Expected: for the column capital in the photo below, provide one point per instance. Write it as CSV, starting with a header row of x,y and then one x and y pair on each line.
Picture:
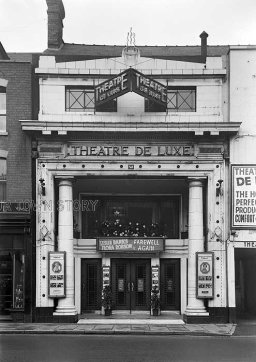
x,y
65,180
196,181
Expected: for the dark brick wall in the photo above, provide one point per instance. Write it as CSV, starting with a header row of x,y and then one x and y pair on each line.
x,y
17,143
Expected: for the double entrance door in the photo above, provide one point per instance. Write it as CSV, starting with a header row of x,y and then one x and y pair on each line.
x,y
131,281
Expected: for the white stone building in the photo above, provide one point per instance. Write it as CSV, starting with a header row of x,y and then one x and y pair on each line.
x,y
133,185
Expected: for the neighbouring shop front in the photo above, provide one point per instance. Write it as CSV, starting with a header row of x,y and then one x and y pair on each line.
x,y
244,241
15,264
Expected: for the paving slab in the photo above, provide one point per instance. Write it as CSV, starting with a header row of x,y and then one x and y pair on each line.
x,y
124,328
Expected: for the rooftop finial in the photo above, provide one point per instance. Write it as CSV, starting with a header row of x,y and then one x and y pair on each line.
x,y
130,38
130,53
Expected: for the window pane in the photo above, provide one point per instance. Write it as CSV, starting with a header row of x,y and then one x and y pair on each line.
x,y
2,123
2,103
182,100
2,179
138,217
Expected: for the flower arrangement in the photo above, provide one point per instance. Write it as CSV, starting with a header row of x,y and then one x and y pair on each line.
x,y
107,299
132,229
155,301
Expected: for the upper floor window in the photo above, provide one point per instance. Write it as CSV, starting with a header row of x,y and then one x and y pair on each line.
x,y
81,99
2,109
2,179
179,99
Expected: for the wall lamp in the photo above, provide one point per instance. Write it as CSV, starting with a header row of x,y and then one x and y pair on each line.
x,y
42,184
219,188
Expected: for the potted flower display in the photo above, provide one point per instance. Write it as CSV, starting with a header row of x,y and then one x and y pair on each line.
x,y
107,300
155,301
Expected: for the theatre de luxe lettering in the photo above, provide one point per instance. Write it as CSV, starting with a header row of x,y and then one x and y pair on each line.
x,y
244,196
130,81
104,151
130,244
149,88
112,88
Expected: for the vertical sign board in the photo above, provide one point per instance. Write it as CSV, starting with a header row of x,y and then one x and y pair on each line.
x,y
155,276
243,196
57,274
106,275
204,275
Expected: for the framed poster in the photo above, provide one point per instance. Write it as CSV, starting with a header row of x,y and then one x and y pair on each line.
x,y
204,275
243,215
106,275
57,274
155,276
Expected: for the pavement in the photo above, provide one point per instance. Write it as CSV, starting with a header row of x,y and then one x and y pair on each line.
x,y
128,327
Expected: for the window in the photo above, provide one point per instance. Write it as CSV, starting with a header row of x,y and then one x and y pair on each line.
x,y
2,109
179,99
2,179
81,99
124,217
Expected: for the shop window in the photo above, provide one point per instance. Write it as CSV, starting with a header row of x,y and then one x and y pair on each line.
x,y
2,179
179,99
18,282
2,109
81,99
137,217
12,278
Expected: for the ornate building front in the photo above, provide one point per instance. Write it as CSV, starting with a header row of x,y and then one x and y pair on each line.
x,y
131,177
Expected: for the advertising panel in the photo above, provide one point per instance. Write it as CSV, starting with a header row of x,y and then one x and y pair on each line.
x,y
204,275
146,245
243,196
57,274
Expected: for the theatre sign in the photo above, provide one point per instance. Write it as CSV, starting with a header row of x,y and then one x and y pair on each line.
x,y
130,81
244,196
130,244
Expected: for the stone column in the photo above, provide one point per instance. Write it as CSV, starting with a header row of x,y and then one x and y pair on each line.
x,y
66,306
195,307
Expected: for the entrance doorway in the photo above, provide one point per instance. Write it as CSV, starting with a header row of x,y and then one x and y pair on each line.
x,y
170,284
91,284
131,283
245,280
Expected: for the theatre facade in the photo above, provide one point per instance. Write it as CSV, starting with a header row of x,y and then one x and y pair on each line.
x,y
132,180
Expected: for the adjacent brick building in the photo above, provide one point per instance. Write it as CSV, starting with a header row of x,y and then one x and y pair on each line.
x,y
18,98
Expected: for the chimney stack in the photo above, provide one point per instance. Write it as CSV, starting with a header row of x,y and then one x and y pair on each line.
x,y
204,37
56,14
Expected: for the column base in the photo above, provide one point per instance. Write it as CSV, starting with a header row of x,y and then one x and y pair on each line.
x,y
196,315
196,318
63,311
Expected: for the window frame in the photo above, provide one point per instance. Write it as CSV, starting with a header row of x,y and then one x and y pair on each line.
x,y
3,179
110,106
185,88
158,203
3,111
148,103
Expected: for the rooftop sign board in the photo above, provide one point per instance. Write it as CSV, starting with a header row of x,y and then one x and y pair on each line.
x,y
130,81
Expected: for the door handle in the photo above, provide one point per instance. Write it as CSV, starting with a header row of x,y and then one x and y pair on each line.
x,y
132,286
83,287
128,287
